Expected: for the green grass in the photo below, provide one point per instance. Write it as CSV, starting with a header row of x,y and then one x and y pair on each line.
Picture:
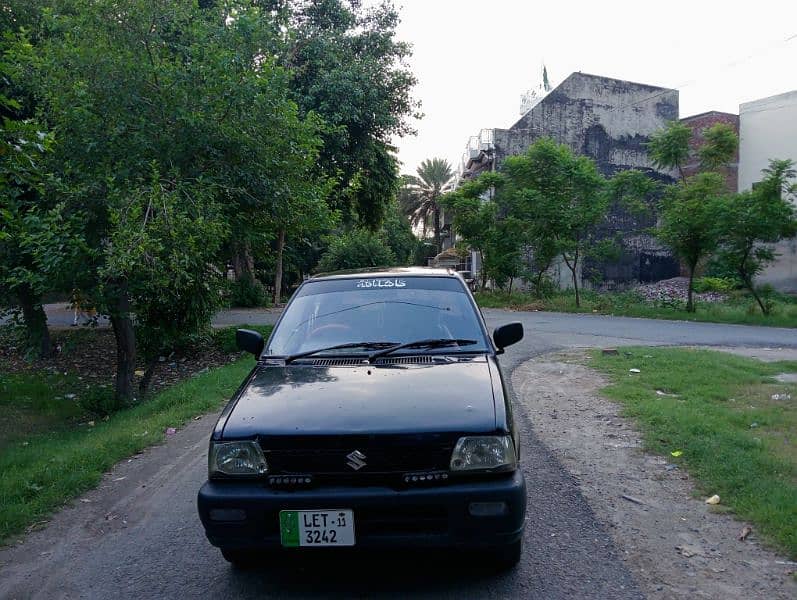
x,y
49,454
741,310
736,440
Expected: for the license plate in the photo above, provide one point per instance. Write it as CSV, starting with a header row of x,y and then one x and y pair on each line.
x,y
317,528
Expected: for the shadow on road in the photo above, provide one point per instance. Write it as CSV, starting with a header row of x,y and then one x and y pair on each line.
x,y
357,573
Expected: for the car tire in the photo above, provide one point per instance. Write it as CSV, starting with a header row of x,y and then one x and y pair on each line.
x,y
241,559
506,557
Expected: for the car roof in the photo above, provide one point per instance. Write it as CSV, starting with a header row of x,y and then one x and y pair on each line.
x,y
387,272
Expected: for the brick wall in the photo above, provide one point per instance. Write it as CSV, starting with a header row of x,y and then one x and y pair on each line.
x,y
698,124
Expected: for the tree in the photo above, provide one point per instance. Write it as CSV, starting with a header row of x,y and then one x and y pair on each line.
x,y
356,249
347,67
420,195
397,235
691,208
690,213
669,147
162,103
753,219
561,197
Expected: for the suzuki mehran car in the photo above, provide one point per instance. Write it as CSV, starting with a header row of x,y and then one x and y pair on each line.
x,y
376,416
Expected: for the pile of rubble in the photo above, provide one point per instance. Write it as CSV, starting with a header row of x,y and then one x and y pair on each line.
x,y
673,291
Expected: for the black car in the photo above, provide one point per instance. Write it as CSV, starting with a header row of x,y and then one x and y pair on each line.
x,y
376,416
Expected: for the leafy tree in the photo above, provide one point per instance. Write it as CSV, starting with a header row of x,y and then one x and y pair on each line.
x,y
356,249
397,234
689,215
136,88
751,220
420,195
720,144
691,208
561,197
347,67
669,147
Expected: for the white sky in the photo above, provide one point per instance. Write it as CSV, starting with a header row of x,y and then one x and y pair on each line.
x,y
473,59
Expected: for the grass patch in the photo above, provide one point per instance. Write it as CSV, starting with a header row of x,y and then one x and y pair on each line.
x,y
732,421
49,453
740,310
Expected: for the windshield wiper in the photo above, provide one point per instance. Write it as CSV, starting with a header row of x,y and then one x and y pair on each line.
x,y
367,345
432,343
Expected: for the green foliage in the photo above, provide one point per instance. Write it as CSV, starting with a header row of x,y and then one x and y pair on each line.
x,y
163,237
559,197
356,249
751,220
669,147
723,285
248,292
347,67
716,398
99,402
398,236
52,467
690,214
419,196
719,146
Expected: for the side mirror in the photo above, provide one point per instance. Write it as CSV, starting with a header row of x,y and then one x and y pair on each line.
x,y
250,341
508,334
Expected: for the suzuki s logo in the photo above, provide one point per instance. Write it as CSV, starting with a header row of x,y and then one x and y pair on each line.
x,y
356,460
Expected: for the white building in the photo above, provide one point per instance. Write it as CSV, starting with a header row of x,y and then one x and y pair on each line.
x,y
767,130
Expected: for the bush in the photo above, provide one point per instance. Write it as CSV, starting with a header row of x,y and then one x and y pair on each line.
x,y
356,249
99,401
723,285
248,292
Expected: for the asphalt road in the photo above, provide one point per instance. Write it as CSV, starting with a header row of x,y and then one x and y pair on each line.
x,y
138,535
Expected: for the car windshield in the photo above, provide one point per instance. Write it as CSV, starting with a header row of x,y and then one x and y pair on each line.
x,y
378,309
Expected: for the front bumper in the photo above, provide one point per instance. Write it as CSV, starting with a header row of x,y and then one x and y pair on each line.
x,y
383,517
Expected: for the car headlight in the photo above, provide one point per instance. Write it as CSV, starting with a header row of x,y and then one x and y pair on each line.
x,y
236,459
484,453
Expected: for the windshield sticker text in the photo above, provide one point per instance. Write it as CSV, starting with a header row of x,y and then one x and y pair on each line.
x,y
381,283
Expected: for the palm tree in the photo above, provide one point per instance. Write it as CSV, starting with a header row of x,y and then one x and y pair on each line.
x,y
419,194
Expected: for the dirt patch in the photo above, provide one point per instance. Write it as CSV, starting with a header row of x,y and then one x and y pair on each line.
x,y
676,545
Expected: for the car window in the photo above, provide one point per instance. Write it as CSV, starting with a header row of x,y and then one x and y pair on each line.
x,y
331,312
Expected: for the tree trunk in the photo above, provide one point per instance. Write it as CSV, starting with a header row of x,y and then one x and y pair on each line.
x,y
437,241
125,335
278,269
242,261
35,321
573,271
690,303
482,270
147,379
748,282
511,281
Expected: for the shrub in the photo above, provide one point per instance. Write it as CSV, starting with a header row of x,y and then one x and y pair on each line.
x,y
356,249
99,401
248,292
723,285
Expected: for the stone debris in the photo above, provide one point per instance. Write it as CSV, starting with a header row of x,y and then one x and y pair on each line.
x,y
675,291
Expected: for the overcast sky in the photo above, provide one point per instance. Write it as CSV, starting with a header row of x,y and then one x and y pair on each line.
x,y
473,59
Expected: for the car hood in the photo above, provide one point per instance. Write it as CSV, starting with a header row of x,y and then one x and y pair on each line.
x,y
454,395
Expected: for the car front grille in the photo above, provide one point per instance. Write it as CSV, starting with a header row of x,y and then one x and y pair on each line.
x,y
384,458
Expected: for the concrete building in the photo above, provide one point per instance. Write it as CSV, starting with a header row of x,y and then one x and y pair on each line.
x,y
610,120
767,130
699,124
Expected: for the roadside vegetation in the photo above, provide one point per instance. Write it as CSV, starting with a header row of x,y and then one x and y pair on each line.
x,y
740,308
56,440
725,419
